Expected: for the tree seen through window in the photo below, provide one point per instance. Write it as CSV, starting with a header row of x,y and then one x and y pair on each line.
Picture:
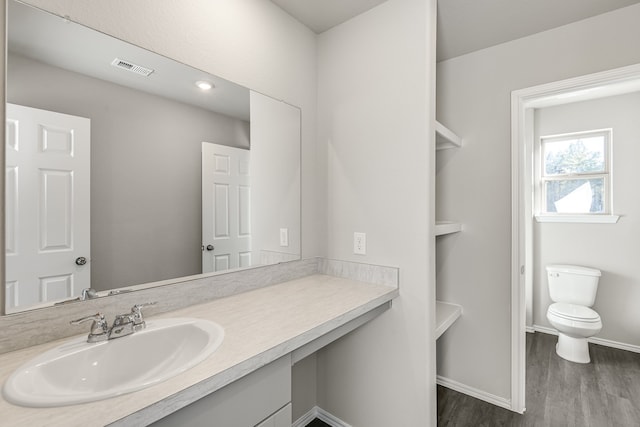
x,y
574,171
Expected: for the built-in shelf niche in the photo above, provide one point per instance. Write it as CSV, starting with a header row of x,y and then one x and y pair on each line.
x,y
445,138
447,227
446,315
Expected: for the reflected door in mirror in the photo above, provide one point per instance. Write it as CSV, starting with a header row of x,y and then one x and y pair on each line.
x,y
226,208
47,205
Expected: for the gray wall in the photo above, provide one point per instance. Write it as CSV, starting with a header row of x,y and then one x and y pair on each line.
x,y
473,99
145,170
611,248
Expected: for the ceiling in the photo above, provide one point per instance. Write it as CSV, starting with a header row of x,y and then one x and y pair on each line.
x,y
320,15
53,40
464,26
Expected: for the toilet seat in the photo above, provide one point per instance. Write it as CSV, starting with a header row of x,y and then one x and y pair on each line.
x,y
573,312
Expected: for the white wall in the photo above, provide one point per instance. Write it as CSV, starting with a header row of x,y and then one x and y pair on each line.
x,y
473,99
375,119
275,174
607,247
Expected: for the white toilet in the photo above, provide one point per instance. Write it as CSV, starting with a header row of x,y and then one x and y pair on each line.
x,y
573,290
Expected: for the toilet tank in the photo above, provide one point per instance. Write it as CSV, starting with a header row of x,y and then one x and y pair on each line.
x,y
573,284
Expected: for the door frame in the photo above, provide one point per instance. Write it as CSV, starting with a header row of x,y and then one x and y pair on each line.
x,y
522,103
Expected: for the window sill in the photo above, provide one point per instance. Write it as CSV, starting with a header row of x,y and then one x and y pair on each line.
x,y
587,219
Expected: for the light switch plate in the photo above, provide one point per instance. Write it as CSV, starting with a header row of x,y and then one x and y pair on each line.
x,y
284,237
360,243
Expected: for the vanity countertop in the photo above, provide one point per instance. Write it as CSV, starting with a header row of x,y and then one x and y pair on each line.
x,y
260,326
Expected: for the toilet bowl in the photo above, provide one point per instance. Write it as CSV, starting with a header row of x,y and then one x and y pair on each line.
x,y
575,323
573,290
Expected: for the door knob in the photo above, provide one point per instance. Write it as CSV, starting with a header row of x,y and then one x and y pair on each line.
x,y
210,247
81,260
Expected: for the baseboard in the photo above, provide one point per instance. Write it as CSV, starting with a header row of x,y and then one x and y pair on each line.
x,y
529,329
306,418
594,340
321,414
330,419
545,330
615,344
474,392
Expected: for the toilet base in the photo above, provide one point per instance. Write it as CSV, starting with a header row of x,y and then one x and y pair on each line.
x,y
573,349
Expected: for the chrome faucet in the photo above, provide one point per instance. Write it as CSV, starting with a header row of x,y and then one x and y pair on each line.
x,y
123,324
99,328
136,312
88,293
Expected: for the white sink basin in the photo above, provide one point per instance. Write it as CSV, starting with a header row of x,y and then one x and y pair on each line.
x,y
79,372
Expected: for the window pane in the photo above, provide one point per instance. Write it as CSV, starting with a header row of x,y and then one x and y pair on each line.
x,y
577,155
575,196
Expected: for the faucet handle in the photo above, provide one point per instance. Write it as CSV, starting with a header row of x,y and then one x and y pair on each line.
x,y
136,311
99,328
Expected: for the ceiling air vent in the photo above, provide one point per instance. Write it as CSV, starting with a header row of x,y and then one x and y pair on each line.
x,y
130,66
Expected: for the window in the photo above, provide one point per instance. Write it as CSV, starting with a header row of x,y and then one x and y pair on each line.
x,y
575,174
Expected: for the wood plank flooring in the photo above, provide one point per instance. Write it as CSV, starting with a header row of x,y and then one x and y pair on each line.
x,y
317,423
603,393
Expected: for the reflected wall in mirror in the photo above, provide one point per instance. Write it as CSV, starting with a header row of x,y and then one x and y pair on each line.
x,y
139,208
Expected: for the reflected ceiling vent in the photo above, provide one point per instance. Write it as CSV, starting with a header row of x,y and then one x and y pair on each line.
x,y
130,66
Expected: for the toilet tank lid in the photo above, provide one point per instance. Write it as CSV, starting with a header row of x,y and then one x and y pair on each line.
x,y
573,269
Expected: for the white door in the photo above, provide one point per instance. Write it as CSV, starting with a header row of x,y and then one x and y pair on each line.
x,y
226,210
47,205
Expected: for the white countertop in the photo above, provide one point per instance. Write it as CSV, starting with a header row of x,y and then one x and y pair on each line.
x,y
260,326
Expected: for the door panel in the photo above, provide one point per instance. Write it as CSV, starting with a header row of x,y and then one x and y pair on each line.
x,y
221,212
48,205
56,208
226,208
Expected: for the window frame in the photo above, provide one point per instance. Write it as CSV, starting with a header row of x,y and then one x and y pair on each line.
x,y
541,179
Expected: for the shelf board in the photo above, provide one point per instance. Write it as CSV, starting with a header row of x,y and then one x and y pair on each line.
x,y
445,138
447,227
446,314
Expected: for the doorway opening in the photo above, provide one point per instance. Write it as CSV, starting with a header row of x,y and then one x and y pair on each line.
x,y
524,104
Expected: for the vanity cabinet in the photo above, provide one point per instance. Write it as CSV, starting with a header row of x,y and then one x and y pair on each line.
x,y
261,398
446,313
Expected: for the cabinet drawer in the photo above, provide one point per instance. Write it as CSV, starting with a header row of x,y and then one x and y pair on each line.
x,y
243,403
282,418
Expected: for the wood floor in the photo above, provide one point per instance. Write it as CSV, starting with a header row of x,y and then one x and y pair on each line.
x,y
317,423
603,393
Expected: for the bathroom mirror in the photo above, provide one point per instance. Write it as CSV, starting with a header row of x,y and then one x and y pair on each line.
x,y
123,170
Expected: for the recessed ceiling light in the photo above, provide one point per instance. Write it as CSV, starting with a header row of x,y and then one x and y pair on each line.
x,y
204,85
